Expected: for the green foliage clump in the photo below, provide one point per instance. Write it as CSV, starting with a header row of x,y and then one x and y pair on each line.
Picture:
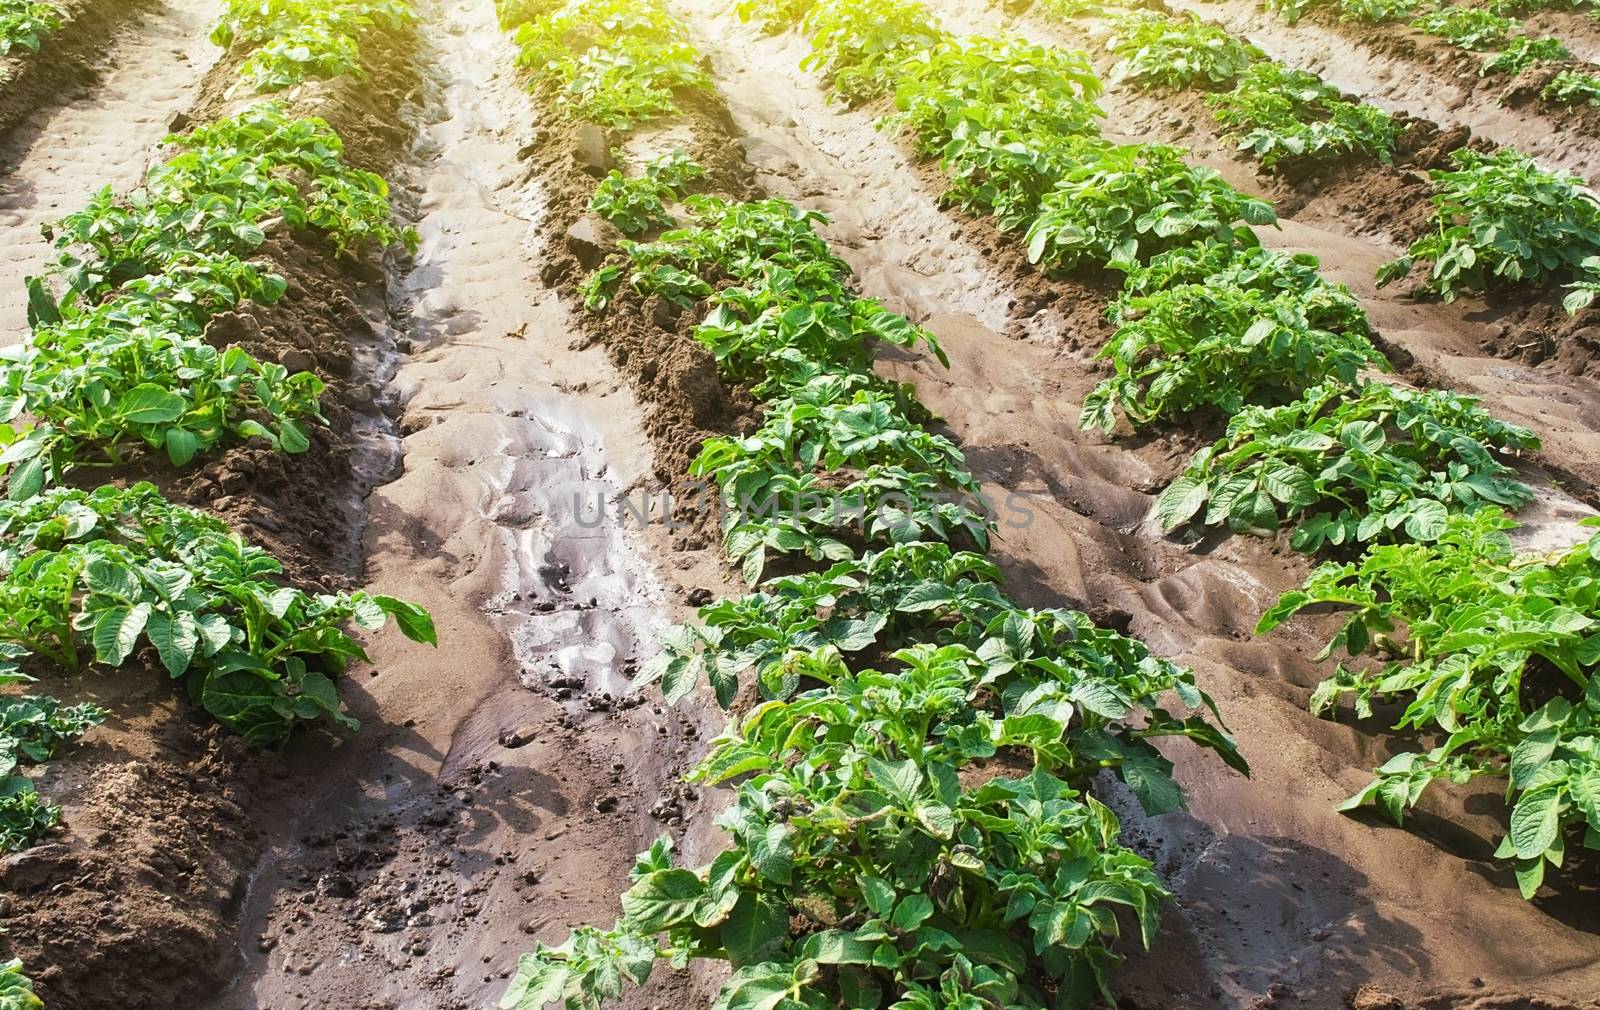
x,y
1352,466
1501,219
1380,12
294,41
120,357
1471,28
1005,117
1158,50
16,989
859,46
93,576
1496,652
25,24
1221,327
638,203
775,16
1124,203
1572,87
1277,113
1523,52
616,63
33,729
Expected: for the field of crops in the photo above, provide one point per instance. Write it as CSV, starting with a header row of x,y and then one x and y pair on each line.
x,y
800,504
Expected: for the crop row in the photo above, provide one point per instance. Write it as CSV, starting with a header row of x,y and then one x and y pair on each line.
x,y
1210,322
290,42
118,372
910,825
1500,221
1491,28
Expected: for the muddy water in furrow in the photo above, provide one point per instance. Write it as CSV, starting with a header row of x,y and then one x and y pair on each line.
x,y
500,786
1279,896
1399,84
100,134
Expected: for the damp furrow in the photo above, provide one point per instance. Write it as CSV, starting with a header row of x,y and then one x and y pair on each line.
x,y
503,784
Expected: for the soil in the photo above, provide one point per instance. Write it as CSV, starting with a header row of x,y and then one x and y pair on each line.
x,y
65,61
502,457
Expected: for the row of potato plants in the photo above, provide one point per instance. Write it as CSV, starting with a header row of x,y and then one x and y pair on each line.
x,y
118,372
290,42
1500,220
1209,321
1491,28
910,824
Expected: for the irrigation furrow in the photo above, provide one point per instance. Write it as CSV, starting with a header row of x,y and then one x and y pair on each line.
x,y
503,786
101,134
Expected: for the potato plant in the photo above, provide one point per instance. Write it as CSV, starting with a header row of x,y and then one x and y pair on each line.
x,y
1572,87
92,577
1124,203
1471,28
1351,465
638,203
859,46
25,24
616,63
1523,52
33,729
118,356
1277,114
1221,328
1169,51
290,42
1006,118
16,989
1493,651
1502,220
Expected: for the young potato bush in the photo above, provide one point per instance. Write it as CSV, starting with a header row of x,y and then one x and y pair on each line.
x,y
16,990
1218,327
1158,50
294,41
25,24
120,357
1353,465
91,577
1471,28
1523,52
860,45
1277,113
1006,118
1380,12
1494,651
1500,219
1572,87
1127,202
33,729
612,62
